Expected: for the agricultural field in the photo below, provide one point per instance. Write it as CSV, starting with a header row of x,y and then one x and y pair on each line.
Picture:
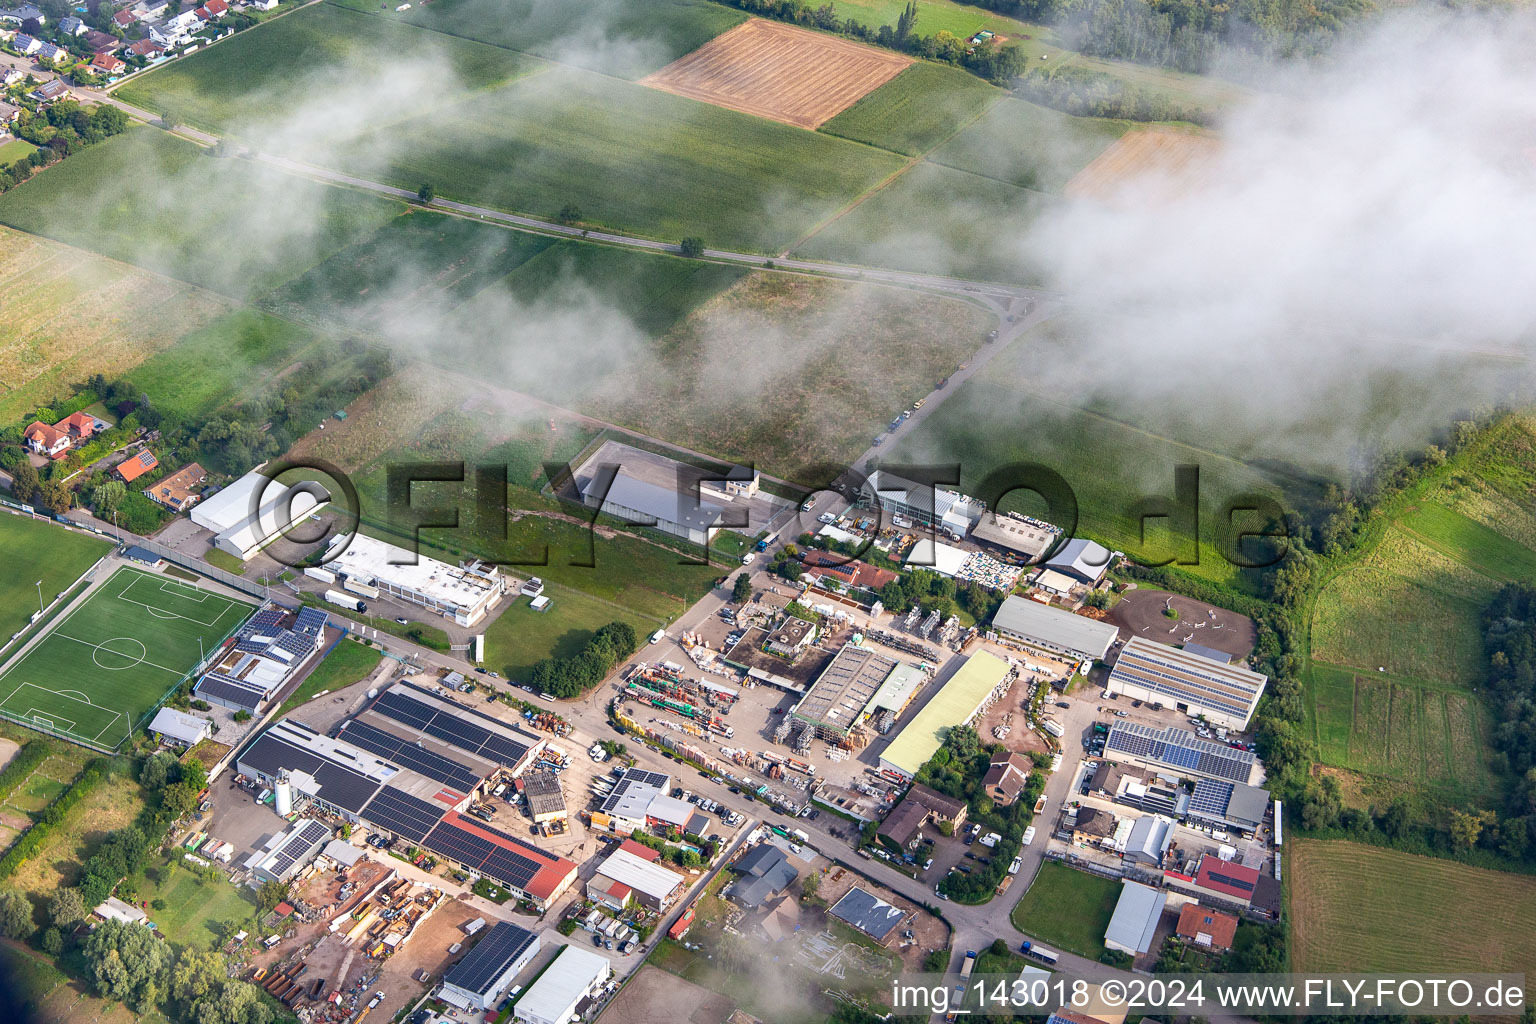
x,y
37,551
130,198
47,782
1348,914
934,219
239,354
630,39
304,58
1469,542
135,637
843,358
644,161
1432,739
1162,163
781,72
418,261
70,314
916,110
1067,909
959,19
1027,145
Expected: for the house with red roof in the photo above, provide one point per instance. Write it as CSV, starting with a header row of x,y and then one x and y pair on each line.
x,y
54,441
122,19
146,48
1227,880
132,468
108,63
1206,927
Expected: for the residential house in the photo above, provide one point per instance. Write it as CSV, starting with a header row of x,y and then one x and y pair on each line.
x,y
108,64
1205,927
47,53
132,468
122,19
764,872
148,10
181,490
10,76
904,825
102,42
54,441
1093,827
26,45
9,112
22,15
49,91
1006,777
212,10
72,26
147,48
262,5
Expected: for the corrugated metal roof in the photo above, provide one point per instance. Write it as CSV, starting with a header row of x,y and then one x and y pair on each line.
x,y
1054,627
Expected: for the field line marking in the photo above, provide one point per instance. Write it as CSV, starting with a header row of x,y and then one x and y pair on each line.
x,y
144,661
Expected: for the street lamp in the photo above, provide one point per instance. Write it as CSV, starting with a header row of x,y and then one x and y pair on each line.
x,y
39,597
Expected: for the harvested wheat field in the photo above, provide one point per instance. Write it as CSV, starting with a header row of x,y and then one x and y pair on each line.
x,y
1166,164
1358,908
780,72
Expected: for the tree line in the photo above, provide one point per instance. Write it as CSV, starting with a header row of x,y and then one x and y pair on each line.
x,y
572,676
61,128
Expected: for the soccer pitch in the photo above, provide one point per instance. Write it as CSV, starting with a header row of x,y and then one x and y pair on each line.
x,y
99,670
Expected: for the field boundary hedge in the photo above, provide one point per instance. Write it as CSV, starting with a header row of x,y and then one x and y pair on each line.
x,y
97,772
28,757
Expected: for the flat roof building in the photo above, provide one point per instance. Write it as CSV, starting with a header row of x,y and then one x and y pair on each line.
x,y
240,527
629,803
478,982
1021,535
1228,805
1135,919
1054,629
290,852
843,695
663,508
936,508
545,800
572,977
955,704
182,730
635,872
1222,693
464,593
1178,751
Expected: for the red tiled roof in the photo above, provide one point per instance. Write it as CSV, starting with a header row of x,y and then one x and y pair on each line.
x,y
79,422
283,909
131,469
106,60
645,853
49,436
857,574
1195,920
145,47
553,873
125,18
1235,881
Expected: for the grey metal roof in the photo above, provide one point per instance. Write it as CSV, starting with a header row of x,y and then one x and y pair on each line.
x,y
1136,916
867,912
660,503
765,871
1208,652
1055,627
1080,557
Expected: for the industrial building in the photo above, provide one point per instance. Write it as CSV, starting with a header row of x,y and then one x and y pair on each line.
x,y
262,656
546,803
868,913
634,872
1149,840
1224,694
176,728
914,504
241,527
1135,919
288,853
1020,535
936,556
464,593
1229,806
464,734
670,495
1178,752
480,980
1227,880
1053,629
627,808
639,501
572,979
957,703
1081,559
844,694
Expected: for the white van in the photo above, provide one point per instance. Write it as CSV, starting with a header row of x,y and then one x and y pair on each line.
x,y
657,636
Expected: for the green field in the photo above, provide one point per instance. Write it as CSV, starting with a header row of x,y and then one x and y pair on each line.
x,y
935,219
642,161
418,260
630,39
1028,145
521,636
35,552
157,201
109,661
1067,908
935,16
346,663
1347,912
916,110
230,358
1469,542
16,149
239,85
195,908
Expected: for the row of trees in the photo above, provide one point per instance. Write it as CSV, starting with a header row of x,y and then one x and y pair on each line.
x,y
1084,92
573,676
58,130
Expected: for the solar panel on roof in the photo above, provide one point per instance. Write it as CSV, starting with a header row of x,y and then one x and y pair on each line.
x,y
502,946
407,754
298,846
452,728
406,816
515,867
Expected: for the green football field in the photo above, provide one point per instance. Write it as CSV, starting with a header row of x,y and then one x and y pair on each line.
x,y
107,663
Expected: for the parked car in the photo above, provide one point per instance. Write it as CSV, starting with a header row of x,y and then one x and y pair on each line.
x,y
748,558
1063,704
807,504
1122,714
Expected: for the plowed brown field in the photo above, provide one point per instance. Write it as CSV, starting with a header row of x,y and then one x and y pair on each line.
x,y
1172,162
780,72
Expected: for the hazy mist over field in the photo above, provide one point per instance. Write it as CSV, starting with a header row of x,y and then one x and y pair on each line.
x,y
1353,265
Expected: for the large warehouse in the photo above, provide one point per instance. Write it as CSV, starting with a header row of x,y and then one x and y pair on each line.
x,y
572,977
241,529
843,695
936,508
1021,535
956,703
463,593
1054,629
666,509
478,981
1224,694
1135,920
1178,752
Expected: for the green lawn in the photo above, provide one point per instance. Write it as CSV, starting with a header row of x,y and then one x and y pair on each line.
x,y
935,219
916,110
130,197
347,662
194,908
629,39
935,16
641,160
1028,145
244,82
1469,542
104,665
521,636
1068,909
35,552
234,356
16,149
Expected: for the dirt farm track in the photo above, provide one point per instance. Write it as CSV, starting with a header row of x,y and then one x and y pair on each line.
x,y
780,72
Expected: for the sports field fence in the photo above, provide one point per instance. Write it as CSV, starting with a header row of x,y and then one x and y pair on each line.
x,y
202,568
